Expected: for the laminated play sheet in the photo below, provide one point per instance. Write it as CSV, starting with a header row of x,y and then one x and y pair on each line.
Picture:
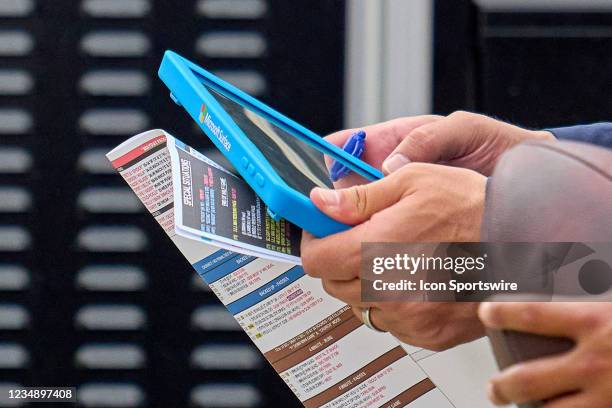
x,y
326,356
217,206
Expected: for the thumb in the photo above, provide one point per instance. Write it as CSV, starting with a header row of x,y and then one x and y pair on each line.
x,y
356,204
438,141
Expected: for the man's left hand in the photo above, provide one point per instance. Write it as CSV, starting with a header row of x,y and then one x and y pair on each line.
x,y
579,378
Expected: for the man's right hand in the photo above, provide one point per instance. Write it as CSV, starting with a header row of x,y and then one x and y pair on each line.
x,y
462,139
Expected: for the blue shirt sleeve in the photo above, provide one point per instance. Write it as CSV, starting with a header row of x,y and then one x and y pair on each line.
x,y
598,133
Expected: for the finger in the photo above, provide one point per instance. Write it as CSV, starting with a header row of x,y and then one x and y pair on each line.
x,y
381,139
347,291
376,317
357,310
338,139
305,242
307,238
320,256
538,380
548,319
389,133
357,204
439,141
350,180
578,400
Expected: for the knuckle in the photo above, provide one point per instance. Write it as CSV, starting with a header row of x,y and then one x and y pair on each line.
x,y
398,334
401,337
461,114
441,343
589,365
327,287
529,316
592,322
435,339
419,138
399,177
496,312
382,323
524,385
409,177
436,345
606,330
308,262
406,173
447,335
471,120
377,219
418,134
359,197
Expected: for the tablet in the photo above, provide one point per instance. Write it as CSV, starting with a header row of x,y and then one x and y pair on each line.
x,y
280,159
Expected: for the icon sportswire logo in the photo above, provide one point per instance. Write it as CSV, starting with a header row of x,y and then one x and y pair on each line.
x,y
216,130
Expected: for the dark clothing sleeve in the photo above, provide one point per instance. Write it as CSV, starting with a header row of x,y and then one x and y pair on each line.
x,y
550,192
598,134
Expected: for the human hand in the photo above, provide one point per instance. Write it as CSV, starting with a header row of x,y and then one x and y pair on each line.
x,y
581,377
462,139
381,139
418,203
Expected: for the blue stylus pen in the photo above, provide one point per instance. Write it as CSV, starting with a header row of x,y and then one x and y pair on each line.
x,y
355,146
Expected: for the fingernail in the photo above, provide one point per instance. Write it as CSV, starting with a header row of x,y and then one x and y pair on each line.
x,y
493,396
330,198
395,162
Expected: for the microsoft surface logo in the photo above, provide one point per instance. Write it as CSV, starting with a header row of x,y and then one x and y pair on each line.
x,y
206,120
203,112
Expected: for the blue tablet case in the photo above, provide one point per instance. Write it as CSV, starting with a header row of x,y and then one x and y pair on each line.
x,y
186,83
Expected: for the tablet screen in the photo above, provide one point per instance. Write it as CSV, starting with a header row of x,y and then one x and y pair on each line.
x,y
299,164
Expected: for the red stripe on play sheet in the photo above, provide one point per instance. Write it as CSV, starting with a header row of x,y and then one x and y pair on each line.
x,y
143,148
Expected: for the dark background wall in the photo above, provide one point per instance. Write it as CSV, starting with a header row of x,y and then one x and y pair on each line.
x,y
92,293
535,68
